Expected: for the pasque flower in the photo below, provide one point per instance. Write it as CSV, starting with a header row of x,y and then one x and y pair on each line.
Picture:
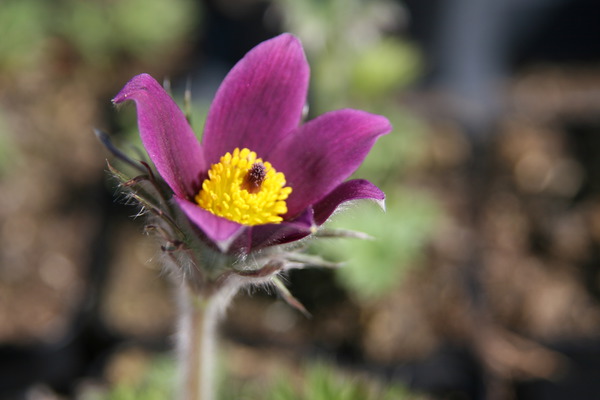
x,y
260,177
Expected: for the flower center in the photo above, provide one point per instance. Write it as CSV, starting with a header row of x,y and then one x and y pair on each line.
x,y
244,189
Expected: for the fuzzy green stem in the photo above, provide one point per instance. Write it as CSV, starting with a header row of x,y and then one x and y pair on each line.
x,y
197,346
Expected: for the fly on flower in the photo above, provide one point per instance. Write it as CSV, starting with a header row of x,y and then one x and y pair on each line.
x,y
259,177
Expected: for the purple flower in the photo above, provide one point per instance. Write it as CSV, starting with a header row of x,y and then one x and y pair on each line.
x,y
259,177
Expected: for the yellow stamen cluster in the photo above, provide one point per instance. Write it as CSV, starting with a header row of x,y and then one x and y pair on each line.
x,y
227,193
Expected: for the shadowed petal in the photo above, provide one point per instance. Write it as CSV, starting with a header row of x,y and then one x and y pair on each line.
x,y
324,152
285,232
220,230
166,134
260,100
351,190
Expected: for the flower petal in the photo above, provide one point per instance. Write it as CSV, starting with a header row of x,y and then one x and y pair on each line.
x,y
166,134
324,152
288,231
260,100
351,190
219,230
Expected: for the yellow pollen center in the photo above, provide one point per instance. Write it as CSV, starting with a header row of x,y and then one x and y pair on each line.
x,y
244,189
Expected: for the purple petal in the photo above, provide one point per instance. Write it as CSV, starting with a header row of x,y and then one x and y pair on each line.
x,y
260,100
324,152
288,231
166,134
351,190
219,230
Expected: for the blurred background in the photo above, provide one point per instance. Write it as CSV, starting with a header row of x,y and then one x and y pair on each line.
x,y
482,281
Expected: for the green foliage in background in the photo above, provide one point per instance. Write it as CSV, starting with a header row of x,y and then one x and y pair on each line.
x,y
353,58
9,153
317,381
322,382
397,155
22,29
384,68
158,383
360,59
99,31
371,268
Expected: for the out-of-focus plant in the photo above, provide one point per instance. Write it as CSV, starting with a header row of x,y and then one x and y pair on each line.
x,y
321,381
100,32
353,49
384,68
23,26
360,57
315,381
372,268
8,151
376,266
156,383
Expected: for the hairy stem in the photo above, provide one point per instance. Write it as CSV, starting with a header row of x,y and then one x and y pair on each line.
x,y
197,346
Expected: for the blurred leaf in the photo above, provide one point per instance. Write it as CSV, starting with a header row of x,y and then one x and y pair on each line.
x,y
355,62
335,35
373,267
144,26
385,67
9,153
23,25
318,381
85,25
157,384
101,32
396,152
